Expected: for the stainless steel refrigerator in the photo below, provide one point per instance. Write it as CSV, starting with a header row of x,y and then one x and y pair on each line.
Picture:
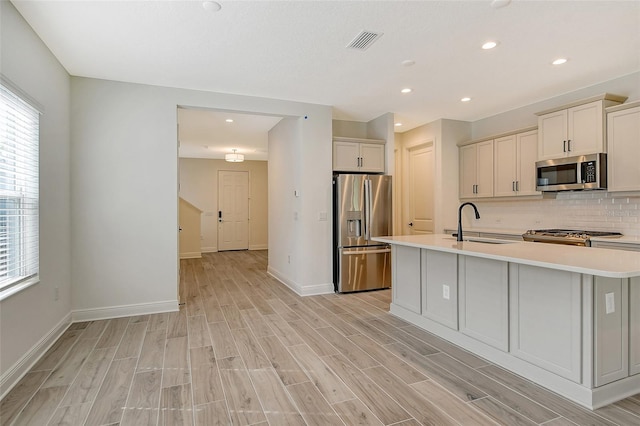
x,y
361,210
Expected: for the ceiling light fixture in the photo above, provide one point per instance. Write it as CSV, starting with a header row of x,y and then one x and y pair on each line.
x,y
465,99
559,61
211,6
229,120
406,90
398,124
234,158
489,45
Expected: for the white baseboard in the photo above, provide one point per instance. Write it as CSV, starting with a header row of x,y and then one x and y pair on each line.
x,y
12,376
313,290
258,246
297,288
209,249
191,255
124,311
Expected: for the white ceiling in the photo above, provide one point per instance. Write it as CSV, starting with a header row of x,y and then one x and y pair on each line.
x,y
295,50
207,134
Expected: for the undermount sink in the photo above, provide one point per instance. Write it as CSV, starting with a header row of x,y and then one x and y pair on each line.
x,y
482,240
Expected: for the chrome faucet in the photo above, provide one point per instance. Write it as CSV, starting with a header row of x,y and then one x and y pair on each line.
x,y
460,218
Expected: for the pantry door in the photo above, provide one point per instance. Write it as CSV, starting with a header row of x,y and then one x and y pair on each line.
x,y
421,189
233,210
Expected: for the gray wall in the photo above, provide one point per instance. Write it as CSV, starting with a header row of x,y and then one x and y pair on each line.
x,y
524,116
27,317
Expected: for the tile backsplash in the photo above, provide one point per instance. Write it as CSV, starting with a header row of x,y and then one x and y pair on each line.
x,y
591,210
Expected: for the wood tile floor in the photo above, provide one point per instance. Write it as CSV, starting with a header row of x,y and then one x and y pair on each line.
x,y
245,350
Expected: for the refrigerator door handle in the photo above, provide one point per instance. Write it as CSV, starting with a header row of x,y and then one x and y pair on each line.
x,y
367,209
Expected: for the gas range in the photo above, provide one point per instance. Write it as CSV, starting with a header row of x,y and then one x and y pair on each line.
x,y
566,236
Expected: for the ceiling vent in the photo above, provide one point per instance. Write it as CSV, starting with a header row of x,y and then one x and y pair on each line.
x,y
363,40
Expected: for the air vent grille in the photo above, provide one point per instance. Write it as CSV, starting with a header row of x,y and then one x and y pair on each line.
x,y
364,40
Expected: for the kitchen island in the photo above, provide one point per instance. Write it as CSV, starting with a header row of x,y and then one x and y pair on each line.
x,y
565,317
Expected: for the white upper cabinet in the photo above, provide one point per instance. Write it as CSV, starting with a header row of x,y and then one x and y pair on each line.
x,y
506,166
527,144
553,135
577,129
514,161
623,139
358,155
476,170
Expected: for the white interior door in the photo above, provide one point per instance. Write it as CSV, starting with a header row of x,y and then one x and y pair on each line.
x,y
233,210
421,189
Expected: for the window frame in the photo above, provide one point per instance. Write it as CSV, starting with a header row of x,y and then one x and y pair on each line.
x,y
27,240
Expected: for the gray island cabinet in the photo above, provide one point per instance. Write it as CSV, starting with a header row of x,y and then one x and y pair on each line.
x,y
567,318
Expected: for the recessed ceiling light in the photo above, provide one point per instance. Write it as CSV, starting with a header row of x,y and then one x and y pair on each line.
x,y
465,99
211,6
398,124
406,90
489,45
229,120
559,61
408,62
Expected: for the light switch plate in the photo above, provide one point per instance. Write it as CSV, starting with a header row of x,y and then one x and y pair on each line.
x,y
609,303
445,292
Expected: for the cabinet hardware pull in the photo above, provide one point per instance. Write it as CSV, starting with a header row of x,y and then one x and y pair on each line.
x,y
513,185
517,186
564,146
410,223
569,145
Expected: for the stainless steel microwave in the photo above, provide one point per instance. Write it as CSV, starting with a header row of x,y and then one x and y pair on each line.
x,y
572,173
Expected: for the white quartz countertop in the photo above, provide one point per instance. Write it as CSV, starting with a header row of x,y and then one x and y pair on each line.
x,y
621,240
584,260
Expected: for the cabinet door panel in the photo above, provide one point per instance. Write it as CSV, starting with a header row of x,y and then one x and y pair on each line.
x,y
585,129
545,307
483,305
345,156
623,140
610,330
634,323
468,170
484,177
372,158
553,132
406,277
527,153
440,291
505,161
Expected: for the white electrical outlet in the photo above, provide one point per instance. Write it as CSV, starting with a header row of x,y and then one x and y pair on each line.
x,y
609,303
445,292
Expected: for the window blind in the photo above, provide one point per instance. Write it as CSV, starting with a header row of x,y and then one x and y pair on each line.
x,y
19,141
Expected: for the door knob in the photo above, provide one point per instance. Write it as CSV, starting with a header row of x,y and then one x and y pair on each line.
x,y
410,223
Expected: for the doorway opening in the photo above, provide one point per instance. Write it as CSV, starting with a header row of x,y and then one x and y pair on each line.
x,y
234,213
